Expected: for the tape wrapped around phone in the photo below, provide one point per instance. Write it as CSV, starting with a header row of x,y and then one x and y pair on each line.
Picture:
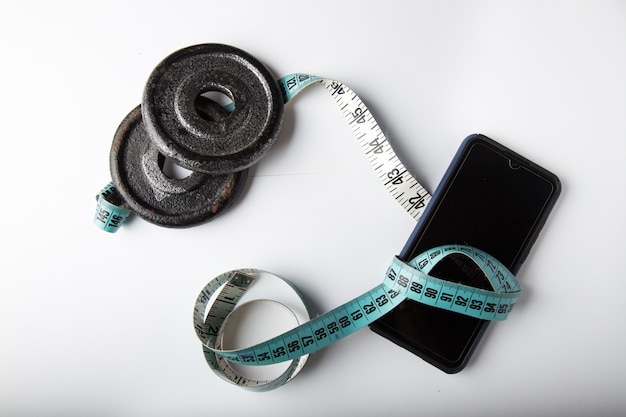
x,y
175,93
220,297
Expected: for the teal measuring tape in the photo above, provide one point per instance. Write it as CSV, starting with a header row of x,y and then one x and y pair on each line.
x,y
111,212
402,281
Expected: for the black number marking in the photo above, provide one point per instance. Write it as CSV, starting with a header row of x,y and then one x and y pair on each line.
x,y
417,202
431,293
446,297
307,340
344,321
416,287
461,301
320,333
356,315
293,346
382,300
279,351
403,281
369,308
395,177
291,83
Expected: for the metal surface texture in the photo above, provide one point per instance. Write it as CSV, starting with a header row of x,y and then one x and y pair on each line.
x,y
180,132
137,171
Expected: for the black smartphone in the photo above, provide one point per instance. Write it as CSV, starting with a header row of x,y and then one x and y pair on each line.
x,y
490,198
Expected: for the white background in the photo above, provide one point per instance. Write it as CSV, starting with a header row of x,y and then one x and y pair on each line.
x,y
100,325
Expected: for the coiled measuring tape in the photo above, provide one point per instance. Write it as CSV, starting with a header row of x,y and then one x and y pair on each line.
x,y
219,298
402,281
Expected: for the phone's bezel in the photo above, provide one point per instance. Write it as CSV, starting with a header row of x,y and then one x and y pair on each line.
x,y
408,252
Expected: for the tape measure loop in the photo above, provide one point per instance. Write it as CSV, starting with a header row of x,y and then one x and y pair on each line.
x,y
214,307
403,280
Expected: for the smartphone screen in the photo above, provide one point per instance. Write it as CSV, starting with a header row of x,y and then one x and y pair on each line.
x,y
490,198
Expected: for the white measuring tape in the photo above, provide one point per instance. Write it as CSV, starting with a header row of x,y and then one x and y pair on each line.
x,y
391,172
217,301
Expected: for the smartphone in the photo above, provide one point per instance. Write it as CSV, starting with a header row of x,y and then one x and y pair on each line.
x,y
490,198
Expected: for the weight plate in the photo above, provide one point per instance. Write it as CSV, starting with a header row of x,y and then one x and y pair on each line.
x,y
137,172
214,146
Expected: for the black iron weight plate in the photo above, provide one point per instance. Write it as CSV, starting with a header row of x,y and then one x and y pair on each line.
x,y
136,169
214,146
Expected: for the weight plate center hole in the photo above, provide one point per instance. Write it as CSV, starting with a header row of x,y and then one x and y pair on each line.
x,y
171,169
218,106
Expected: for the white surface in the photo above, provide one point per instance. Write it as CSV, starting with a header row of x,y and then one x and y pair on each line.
x,y
100,325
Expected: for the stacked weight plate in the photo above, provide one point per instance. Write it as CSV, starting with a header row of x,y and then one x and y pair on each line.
x,y
178,120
